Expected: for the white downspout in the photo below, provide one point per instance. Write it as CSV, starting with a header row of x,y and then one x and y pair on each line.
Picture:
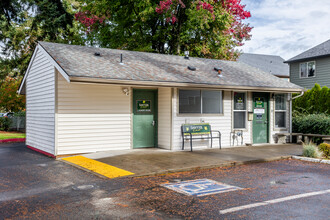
x,y
301,94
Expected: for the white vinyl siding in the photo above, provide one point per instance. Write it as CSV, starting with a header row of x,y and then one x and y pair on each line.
x,y
40,104
222,123
273,129
92,117
164,118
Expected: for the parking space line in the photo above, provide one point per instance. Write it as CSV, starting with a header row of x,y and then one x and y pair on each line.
x,y
98,167
273,201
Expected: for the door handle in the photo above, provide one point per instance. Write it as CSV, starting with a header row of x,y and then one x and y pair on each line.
x,y
266,122
153,123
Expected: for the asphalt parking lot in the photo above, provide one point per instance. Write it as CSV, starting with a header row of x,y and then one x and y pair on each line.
x,y
33,186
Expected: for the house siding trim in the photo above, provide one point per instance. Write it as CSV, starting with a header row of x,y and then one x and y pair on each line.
x,y
40,104
76,79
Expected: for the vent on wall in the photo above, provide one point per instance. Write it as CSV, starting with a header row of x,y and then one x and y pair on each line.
x,y
97,54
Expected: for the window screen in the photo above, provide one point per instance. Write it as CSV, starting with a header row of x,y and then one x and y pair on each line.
x,y
279,119
280,110
212,101
239,119
189,101
280,102
200,101
307,69
239,110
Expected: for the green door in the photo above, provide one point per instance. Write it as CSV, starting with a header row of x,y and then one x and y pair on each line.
x,y
260,117
144,118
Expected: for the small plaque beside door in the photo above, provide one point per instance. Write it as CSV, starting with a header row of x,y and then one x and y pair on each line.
x,y
143,105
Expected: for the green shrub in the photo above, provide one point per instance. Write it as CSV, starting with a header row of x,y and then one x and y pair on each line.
x,y
312,124
20,114
314,101
325,149
311,150
4,123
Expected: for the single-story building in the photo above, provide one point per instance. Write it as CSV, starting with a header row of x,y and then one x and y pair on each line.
x,y
83,99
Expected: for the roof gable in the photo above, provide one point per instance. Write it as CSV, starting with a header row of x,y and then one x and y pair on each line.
x,y
321,50
21,89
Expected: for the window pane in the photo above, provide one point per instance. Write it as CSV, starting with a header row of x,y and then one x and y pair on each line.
x,y
211,101
280,119
280,103
239,119
303,70
311,69
189,101
239,101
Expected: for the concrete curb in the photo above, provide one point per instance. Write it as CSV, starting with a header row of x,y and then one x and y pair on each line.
x,y
185,169
226,164
13,140
314,160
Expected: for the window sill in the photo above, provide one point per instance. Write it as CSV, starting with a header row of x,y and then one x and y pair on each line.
x,y
199,115
280,129
308,77
240,129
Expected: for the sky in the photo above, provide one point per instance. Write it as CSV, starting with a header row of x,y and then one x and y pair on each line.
x,y
286,27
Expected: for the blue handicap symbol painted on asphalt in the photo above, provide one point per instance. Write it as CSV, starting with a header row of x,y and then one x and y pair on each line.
x,y
200,187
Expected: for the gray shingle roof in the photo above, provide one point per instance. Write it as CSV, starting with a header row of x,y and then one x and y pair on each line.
x,y
80,61
321,50
267,63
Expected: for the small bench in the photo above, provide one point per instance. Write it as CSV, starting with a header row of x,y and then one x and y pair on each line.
x,y
281,137
308,136
198,132
326,140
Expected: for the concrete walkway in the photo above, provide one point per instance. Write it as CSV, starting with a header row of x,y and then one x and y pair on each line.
x,y
155,161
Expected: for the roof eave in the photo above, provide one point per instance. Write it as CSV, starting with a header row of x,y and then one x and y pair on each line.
x,y
78,79
305,59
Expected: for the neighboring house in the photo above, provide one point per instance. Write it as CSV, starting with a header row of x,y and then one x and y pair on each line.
x,y
83,99
267,63
311,66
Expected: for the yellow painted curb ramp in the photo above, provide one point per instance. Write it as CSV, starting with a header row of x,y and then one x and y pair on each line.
x,y
98,167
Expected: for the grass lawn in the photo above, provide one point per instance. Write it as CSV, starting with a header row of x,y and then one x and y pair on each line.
x,y
11,135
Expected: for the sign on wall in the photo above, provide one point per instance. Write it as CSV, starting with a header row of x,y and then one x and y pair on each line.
x,y
239,103
259,102
259,111
143,105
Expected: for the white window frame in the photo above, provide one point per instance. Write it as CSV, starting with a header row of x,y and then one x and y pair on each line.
x,y
285,111
246,110
301,77
200,114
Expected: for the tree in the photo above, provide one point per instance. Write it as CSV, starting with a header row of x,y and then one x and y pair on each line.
x,y
10,9
314,101
209,28
9,99
25,22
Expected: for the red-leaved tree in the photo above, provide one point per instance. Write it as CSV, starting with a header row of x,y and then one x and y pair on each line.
x,y
208,28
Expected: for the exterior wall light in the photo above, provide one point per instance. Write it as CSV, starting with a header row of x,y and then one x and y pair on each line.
x,y
126,91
